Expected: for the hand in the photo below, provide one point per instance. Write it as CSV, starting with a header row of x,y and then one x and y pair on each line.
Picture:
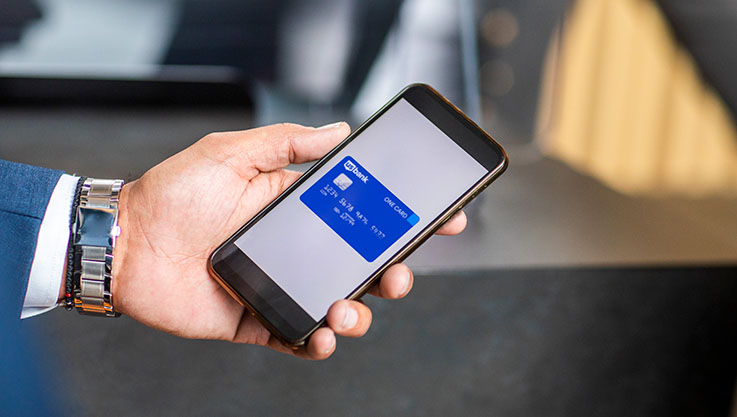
x,y
176,214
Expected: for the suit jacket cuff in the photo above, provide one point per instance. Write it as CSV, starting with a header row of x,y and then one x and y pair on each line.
x,y
49,260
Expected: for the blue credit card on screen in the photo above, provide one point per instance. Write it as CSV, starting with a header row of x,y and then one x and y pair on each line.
x,y
359,208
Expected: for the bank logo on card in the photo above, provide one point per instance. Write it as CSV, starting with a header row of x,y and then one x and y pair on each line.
x,y
350,166
359,208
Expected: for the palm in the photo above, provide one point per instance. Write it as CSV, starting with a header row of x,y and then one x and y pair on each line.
x,y
181,224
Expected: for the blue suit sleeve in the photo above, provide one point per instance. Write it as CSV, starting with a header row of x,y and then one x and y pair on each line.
x,y
24,194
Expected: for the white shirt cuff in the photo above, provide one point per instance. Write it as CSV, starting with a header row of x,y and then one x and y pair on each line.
x,y
49,260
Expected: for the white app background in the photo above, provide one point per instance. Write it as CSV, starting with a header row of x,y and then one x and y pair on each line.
x,y
414,159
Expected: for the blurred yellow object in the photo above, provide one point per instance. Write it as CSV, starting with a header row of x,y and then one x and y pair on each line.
x,y
623,102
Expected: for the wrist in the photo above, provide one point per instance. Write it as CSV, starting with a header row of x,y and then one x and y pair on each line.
x,y
120,249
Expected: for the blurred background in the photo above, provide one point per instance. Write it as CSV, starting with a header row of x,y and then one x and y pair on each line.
x,y
597,276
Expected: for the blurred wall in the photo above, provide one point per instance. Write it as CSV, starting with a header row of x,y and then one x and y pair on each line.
x,y
625,103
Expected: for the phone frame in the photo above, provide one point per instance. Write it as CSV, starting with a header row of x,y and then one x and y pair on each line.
x,y
449,109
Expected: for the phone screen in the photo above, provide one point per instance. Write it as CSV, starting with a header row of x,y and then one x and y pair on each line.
x,y
355,212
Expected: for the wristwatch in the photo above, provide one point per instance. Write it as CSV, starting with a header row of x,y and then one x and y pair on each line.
x,y
95,232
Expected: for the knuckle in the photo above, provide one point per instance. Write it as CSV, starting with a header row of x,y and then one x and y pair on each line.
x,y
212,137
287,126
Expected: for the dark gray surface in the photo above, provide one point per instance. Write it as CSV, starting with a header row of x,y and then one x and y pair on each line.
x,y
581,342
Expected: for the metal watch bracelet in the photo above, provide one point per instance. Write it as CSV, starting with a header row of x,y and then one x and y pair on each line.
x,y
95,232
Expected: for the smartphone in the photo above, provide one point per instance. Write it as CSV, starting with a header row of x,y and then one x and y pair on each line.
x,y
366,205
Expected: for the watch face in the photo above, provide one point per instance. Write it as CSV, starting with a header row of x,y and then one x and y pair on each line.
x,y
94,227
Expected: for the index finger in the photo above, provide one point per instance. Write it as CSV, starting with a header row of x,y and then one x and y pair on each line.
x,y
454,225
274,147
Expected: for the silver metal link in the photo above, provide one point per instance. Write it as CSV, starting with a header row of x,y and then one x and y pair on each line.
x,y
97,202
101,188
93,301
93,253
93,269
92,289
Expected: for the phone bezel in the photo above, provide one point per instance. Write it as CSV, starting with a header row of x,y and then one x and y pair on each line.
x,y
443,114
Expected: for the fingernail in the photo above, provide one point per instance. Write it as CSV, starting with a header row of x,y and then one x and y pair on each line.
x,y
350,318
330,126
407,281
330,348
